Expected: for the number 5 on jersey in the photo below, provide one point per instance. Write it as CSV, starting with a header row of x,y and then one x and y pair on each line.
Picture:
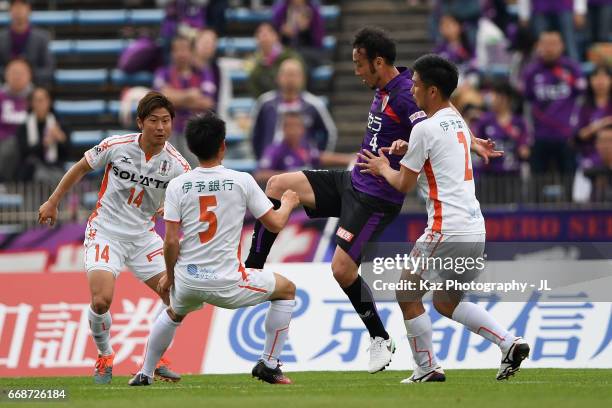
x,y
208,216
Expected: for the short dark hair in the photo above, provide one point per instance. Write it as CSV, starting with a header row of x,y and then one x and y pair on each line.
x,y
376,43
439,72
293,114
205,134
151,101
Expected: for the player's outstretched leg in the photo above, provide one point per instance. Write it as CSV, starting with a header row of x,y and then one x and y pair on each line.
x,y
101,285
161,336
418,329
277,328
382,345
262,239
162,371
478,320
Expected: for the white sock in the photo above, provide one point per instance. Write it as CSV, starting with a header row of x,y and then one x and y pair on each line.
x,y
162,334
419,337
100,325
277,328
479,321
160,308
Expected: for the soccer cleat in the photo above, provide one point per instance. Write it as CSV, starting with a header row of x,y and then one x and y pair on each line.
x,y
140,380
419,375
270,375
164,373
103,373
381,351
512,358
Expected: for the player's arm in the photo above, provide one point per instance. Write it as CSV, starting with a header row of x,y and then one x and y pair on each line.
x,y
48,211
275,220
403,180
171,252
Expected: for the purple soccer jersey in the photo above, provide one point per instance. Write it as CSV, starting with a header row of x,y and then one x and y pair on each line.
x,y
507,138
168,76
13,112
553,91
551,6
282,157
392,115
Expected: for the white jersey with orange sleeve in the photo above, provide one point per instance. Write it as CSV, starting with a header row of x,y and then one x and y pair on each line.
x,y
133,185
210,204
439,150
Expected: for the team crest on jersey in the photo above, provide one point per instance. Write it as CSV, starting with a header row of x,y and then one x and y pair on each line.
x,y
164,168
385,101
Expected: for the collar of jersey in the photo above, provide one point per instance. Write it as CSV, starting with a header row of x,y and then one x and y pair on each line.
x,y
209,168
404,73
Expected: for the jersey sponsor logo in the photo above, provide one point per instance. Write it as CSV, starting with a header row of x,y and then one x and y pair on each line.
x,y
417,115
344,234
164,168
139,179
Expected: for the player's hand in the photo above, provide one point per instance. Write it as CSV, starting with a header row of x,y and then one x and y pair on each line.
x,y
485,148
160,212
398,147
372,164
47,213
164,284
290,198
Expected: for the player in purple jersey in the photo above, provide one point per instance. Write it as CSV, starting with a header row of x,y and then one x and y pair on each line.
x,y
364,203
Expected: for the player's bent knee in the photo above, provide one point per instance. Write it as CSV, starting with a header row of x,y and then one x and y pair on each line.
x,y
175,317
100,304
284,289
446,309
344,270
274,187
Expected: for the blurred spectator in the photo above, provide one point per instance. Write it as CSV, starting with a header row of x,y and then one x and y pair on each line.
x,y
467,12
263,66
301,27
43,145
600,20
182,17
13,111
294,152
594,178
507,129
596,111
551,85
22,40
453,44
185,86
470,102
522,46
562,15
290,96
205,60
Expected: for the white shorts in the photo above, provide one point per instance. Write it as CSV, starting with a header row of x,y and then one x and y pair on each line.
x,y
256,289
452,251
145,256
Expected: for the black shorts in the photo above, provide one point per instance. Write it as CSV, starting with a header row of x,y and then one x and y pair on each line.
x,y
362,217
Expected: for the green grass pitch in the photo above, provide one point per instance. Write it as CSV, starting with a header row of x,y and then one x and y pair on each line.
x,y
540,388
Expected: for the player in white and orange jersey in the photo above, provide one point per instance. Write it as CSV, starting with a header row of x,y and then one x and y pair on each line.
x,y
209,204
119,233
437,160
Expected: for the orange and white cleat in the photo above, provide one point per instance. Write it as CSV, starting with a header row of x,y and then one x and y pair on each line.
x,y
164,373
103,373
